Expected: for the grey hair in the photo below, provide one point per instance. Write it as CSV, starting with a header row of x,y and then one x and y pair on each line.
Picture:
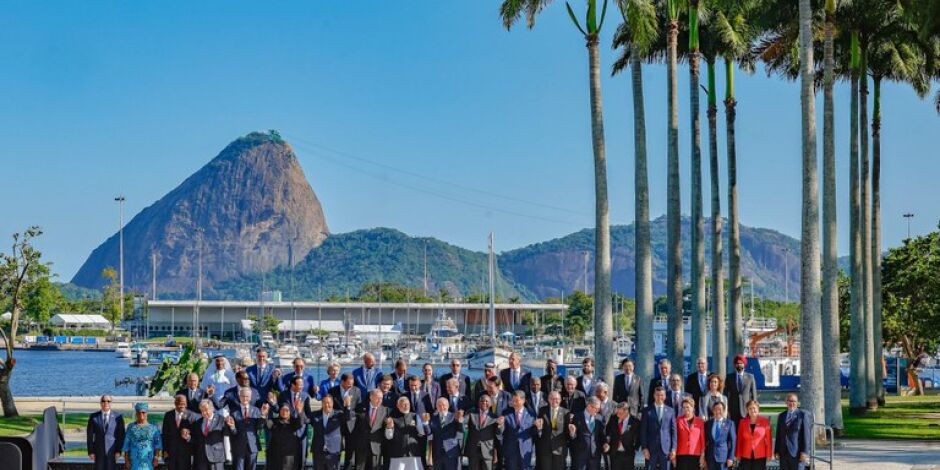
x,y
665,361
592,401
205,402
554,393
571,378
601,386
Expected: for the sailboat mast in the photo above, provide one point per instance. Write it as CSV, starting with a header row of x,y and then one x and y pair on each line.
x,y
492,269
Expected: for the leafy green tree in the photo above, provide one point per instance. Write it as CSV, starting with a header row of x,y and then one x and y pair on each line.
x,y
111,297
42,300
267,323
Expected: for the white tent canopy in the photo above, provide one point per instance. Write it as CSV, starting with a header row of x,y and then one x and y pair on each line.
x,y
301,325
74,321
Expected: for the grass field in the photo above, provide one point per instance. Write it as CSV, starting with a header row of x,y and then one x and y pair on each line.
x,y
900,418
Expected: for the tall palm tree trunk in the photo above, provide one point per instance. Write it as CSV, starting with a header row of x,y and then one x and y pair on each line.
x,y
645,349
876,240
811,375
735,305
865,233
830,286
698,343
857,393
719,338
603,318
676,340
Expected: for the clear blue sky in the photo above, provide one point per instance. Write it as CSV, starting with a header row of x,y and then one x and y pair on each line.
x,y
472,123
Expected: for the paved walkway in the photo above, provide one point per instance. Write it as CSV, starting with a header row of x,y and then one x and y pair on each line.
x,y
855,454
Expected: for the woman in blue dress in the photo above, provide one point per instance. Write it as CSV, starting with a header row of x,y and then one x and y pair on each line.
x,y
141,441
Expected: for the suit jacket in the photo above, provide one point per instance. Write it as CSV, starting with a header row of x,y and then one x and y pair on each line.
x,y
530,403
433,388
230,399
481,439
693,388
463,381
607,410
261,378
406,440
370,436
304,399
445,437
674,400
633,394
350,412
551,383
690,438
390,398
325,386
706,402
589,390
793,436
658,436
104,439
173,442
720,445
361,379
284,384
756,444
501,403
627,441
656,382
420,402
245,438
479,388
399,384
553,440
463,403
524,381
573,402
327,431
587,445
209,443
738,398
193,397
518,436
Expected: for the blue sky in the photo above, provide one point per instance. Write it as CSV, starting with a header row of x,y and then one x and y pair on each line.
x,y
424,116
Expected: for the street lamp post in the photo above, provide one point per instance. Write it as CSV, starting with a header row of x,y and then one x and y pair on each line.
x,y
909,216
786,275
120,200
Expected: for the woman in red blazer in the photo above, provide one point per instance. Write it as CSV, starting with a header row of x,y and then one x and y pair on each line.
x,y
690,437
755,443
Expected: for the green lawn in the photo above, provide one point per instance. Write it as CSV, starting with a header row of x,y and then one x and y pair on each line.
x,y
24,424
900,418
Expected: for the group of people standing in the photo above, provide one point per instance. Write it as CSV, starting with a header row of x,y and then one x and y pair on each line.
x,y
508,419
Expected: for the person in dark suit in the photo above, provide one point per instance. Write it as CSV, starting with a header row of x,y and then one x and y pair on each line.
x,y
419,402
430,385
628,387
740,388
389,392
298,401
551,449
206,437
534,399
606,407
519,430
403,434
662,380
332,379
588,438
587,380
369,434
282,445
623,438
696,384
367,376
720,440
675,395
463,380
445,433
104,436
458,401
658,433
231,399
482,434
572,399
177,453
515,377
551,381
193,393
261,374
480,387
399,376
327,425
499,398
310,383
346,398
793,443
245,424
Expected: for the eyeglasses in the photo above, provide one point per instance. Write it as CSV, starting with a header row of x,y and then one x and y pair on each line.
x,y
105,401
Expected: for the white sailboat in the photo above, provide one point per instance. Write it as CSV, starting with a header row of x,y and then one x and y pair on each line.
x,y
491,351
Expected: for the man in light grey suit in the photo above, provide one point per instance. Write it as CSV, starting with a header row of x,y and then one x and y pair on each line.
x,y
740,388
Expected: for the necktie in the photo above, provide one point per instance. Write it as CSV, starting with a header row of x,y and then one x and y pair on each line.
x,y
297,402
493,407
205,427
590,423
739,383
482,419
701,381
245,414
178,416
372,416
106,421
554,417
789,417
628,381
715,430
659,413
453,403
621,426
515,379
518,418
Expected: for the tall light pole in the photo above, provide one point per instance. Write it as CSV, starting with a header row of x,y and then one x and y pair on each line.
x,y
120,200
786,275
909,216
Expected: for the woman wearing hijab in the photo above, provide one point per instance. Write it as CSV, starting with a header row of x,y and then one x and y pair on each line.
x,y
142,441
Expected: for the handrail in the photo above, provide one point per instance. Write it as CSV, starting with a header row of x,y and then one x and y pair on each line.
x,y
830,437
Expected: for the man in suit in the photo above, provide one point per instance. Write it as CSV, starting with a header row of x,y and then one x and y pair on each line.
x,y
298,401
658,433
346,398
628,387
720,440
586,431
551,449
462,379
261,374
245,423
535,400
675,394
515,377
518,429
499,398
456,400
482,434
793,441
696,384
332,379
104,436
586,380
665,371
310,383
606,407
177,453
480,387
206,436
193,393
551,381
419,402
369,436
327,424
232,397
571,398
400,376
431,386
740,388
367,376
623,438
445,433
403,434
389,391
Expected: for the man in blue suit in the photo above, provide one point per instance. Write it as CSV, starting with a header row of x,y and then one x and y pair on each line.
x,y
518,432
331,380
794,433
298,401
445,433
245,423
288,378
658,433
327,425
367,376
261,374
104,436
515,377
232,397
720,437
587,437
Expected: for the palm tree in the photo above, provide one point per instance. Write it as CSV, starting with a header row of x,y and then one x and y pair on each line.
x,y
675,333
871,399
636,35
698,341
510,12
857,388
811,378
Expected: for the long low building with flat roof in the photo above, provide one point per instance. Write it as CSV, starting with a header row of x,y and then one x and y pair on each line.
x,y
223,318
